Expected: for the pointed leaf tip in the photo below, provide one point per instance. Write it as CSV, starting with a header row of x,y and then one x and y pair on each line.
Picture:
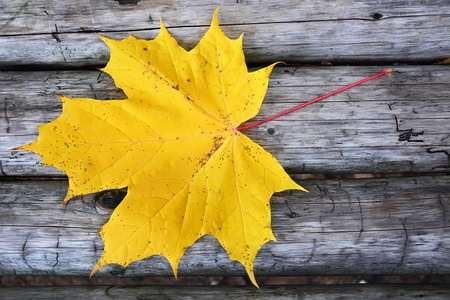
x,y
161,25
95,269
215,19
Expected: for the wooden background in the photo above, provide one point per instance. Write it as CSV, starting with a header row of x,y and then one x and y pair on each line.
x,y
395,131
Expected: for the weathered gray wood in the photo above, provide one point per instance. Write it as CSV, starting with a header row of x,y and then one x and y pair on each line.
x,y
355,131
341,227
21,16
348,292
58,34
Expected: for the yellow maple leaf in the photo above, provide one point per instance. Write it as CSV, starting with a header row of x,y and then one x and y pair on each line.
x,y
174,142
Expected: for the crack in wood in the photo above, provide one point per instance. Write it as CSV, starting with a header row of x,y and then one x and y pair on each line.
x,y
18,12
126,30
58,239
94,258
429,150
324,192
3,174
400,264
92,89
24,258
56,262
292,214
436,268
6,117
55,34
313,251
272,267
222,268
361,219
332,202
443,210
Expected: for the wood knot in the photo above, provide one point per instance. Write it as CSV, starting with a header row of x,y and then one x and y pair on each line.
x,y
109,200
116,272
132,2
376,16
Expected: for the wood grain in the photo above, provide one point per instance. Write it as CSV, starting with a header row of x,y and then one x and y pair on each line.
x,y
79,15
62,34
357,131
349,292
395,124
341,227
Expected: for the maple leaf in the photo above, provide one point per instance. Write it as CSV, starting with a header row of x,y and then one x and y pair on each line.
x,y
174,142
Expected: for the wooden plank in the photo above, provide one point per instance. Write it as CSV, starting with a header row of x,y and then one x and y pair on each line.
x,y
342,227
61,34
349,292
79,15
358,131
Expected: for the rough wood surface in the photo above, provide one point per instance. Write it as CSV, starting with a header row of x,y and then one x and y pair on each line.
x,y
62,34
341,227
357,131
348,292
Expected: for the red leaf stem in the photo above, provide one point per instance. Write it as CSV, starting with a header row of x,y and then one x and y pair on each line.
x,y
382,73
